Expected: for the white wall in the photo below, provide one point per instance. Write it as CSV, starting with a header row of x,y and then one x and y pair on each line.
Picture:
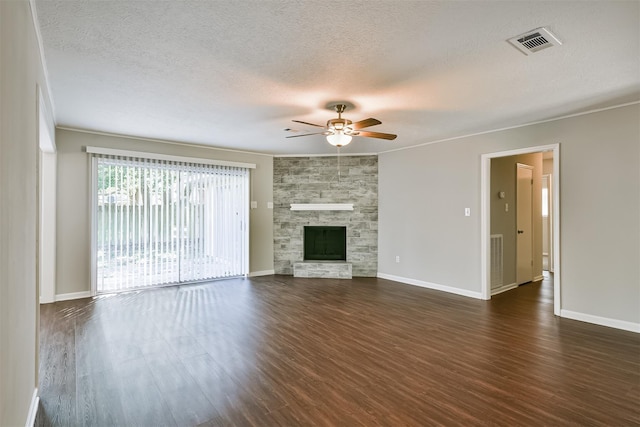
x,y
423,192
73,261
20,73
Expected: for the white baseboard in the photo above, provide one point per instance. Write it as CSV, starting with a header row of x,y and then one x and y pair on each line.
x,y
535,279
503,288
602,321
435,286
73,295
33,409
45,300
262,273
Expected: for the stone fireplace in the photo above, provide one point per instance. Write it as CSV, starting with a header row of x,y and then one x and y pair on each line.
x,y
315,180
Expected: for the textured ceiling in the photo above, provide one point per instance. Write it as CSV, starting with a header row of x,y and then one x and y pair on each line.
x,y
233,74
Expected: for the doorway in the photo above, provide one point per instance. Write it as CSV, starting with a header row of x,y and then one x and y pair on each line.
x,y
485,217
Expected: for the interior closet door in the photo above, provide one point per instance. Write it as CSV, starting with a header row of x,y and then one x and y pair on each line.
x,y
524,224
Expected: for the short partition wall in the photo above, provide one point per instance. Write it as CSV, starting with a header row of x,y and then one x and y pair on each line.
x,y
306,182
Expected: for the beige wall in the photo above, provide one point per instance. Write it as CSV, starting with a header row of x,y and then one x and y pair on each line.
x,y
547,166
73,208
423,193
20,73
503,178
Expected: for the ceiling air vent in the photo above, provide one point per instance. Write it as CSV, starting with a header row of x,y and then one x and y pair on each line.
x,y
534,41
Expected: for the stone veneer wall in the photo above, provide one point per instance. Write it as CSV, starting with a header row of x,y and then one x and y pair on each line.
x,y
315,180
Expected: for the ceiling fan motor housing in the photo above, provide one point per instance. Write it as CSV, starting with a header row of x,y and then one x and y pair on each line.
x,y
340,124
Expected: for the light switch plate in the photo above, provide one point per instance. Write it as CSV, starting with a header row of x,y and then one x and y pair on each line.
x,y
269,205
467,211
254,204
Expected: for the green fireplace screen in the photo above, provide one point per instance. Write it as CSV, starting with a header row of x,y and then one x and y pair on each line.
x,y
325,243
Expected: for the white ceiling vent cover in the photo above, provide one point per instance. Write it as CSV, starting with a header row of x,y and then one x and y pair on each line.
x,y
534,41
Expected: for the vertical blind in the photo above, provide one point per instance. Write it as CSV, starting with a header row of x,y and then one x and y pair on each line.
x,y
162,222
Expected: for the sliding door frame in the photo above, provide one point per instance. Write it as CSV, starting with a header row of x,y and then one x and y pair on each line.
x,y
93,200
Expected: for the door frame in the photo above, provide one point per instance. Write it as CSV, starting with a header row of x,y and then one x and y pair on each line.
x,y
485,218
549,179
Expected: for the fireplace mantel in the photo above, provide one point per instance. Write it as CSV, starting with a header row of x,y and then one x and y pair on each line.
x,y
321,206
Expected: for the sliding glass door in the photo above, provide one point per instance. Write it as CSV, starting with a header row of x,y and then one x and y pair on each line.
x,y
161,222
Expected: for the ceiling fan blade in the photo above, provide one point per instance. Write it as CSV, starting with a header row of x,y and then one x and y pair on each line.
x,y
307,123
366,123
306,134
380,135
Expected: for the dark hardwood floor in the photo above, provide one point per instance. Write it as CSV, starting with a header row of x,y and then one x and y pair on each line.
x,y
281,351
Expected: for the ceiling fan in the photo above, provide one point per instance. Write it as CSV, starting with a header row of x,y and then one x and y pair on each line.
x,y
339,132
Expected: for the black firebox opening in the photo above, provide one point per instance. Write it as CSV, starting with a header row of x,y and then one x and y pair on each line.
x,y
325,243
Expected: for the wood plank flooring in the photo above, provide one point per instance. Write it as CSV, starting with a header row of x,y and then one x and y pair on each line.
x,y
284,351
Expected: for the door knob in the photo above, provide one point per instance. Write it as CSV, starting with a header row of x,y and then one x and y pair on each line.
x,y
520,231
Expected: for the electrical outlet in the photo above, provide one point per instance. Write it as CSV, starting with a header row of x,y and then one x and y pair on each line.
x,y
397,258
506,207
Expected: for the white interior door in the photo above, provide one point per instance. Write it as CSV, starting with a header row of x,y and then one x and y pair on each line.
x,y
524,224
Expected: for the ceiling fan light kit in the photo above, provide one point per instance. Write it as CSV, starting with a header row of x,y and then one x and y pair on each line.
x,y
339,132
339,139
